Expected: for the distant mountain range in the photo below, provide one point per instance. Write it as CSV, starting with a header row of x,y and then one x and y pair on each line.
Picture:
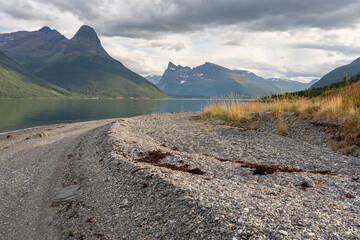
x,y
154,79
337,75
287,85
211,80
79,65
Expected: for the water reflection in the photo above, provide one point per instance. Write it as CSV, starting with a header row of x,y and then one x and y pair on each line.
x,y
23,113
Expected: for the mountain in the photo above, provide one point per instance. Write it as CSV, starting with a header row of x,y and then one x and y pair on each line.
x,y
288,85
211,80
86,42
26,47
250,76
285,85
312,82
16,82
336,75
154,79
80,65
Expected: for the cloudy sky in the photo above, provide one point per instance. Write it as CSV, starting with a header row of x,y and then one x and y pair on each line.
x,y
296,39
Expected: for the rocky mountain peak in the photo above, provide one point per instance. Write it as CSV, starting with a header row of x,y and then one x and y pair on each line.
x,y
86,33
171,65
85,41
45,29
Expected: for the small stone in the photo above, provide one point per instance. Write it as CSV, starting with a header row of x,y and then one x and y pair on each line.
x,y
283,232
234,238
310,234
297,236
66,194
246,210
227,226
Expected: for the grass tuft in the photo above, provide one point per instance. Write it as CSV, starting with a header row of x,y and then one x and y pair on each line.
x,y
281,128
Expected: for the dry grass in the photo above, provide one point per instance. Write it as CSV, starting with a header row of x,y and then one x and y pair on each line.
x,y
281,128
344,107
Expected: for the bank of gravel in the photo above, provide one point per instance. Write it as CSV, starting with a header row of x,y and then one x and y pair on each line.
x,y
170,176
227,201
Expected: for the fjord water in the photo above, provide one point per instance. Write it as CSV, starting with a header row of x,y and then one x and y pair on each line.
x,y
24,113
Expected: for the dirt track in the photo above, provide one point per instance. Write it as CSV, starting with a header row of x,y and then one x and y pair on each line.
x,y
32,170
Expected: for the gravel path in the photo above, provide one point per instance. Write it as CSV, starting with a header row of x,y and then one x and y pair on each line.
x,y
169,176
33,167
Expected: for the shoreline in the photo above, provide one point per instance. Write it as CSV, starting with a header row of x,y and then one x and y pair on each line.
x,y
32,125
53,125
167,175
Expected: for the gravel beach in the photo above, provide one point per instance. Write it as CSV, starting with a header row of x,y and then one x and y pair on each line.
x,y
171,176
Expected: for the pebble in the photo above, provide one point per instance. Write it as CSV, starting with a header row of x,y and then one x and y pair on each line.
x,y
66,194
309,234
283,232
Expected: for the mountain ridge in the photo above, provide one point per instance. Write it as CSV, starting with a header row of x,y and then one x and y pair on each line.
x,y
210,80
85,41
288,85
336,75
80,65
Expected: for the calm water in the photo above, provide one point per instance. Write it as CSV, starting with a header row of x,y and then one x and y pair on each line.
x,y
23,113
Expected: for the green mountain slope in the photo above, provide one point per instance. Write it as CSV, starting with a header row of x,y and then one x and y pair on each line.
x,y
80,65
95,75
336,75
16,82
211,80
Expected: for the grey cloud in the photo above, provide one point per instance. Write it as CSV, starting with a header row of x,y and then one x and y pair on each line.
x,y
177,47
347,50
168,46
295,74
18,9
232,43
152,18
292,71
315,71
83,9
253,15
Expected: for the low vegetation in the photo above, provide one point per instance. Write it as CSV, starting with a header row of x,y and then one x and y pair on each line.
x,y
342,105
316,92
281,128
